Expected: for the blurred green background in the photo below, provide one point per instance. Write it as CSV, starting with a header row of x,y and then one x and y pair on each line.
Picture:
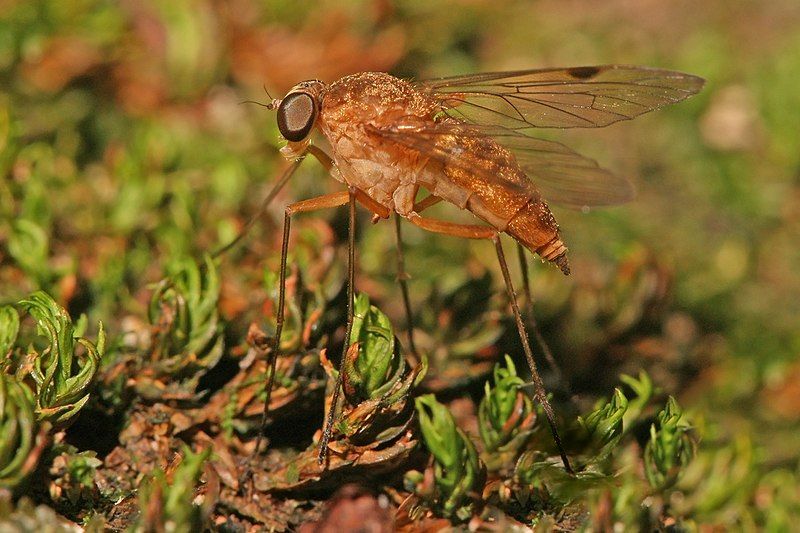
x,y
124,144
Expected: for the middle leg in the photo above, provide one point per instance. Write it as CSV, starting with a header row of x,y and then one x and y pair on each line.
x,y
402,279
402,275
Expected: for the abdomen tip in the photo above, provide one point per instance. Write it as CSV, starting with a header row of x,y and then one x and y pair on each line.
x,y
563,263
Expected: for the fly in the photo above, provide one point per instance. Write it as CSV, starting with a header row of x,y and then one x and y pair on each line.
x,y
465,140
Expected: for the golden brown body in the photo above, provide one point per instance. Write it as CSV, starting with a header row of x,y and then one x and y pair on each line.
x,y
356,107
390,137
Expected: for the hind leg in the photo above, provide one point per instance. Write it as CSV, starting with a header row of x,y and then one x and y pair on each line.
x,y
485,232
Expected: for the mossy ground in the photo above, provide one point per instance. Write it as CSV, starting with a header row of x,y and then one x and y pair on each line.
x,y
126,155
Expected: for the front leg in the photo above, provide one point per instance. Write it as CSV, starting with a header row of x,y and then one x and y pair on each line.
x,y
279,184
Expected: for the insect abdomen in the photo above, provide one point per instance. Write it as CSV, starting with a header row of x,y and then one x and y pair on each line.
x,y
487,180
535,228
513,205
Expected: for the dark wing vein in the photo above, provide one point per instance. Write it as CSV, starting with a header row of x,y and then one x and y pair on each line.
x,y
561,98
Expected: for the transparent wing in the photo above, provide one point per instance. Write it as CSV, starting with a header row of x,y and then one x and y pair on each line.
x,y
579,97
562,175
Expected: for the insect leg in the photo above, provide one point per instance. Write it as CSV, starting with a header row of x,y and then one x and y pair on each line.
x,y
262,208
466,231
321,202
402,275
351,274
484,232
378,210
323,158
538,386
402,278
426,202
526,287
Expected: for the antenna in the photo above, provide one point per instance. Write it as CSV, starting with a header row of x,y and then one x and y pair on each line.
x,y
272,105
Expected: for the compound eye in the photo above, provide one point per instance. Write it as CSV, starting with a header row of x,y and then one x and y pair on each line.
x,y
296,116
